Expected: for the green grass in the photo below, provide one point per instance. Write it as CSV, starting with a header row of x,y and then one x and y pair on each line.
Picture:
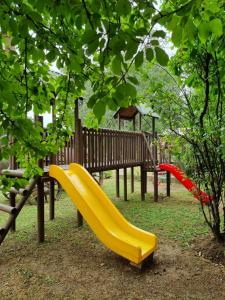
x,y
177,218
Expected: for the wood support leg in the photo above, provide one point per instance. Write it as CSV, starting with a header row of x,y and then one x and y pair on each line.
x,y
12,202
142,184
132,179
156,192
168,183
40,210
52,200
125,183
145,181
117,183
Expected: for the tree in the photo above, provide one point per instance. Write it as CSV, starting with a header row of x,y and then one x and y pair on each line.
x,y
86,40
194,108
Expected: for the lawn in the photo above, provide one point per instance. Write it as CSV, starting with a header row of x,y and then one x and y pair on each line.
x,y
73,264
177,217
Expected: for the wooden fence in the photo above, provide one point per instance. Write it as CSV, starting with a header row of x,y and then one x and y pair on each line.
x,y
107,149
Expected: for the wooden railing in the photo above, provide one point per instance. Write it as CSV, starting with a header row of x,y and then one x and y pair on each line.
x,y
109,149
106,149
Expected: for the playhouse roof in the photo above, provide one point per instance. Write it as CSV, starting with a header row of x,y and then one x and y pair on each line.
x,y
130,112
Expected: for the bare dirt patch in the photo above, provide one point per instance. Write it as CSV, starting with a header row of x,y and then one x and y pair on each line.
x,y
77,266
211,249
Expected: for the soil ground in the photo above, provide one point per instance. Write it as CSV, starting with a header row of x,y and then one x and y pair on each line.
x,y
86,270
75,265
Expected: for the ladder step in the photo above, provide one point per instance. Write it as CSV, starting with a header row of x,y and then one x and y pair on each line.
x,y
8,209
22,192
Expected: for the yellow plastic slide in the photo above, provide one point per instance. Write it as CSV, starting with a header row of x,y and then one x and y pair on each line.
x,y
102,216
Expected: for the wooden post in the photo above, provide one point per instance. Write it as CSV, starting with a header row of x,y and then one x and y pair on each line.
x,y
145,181
12,202
142,184
132,179
168,182
125,183
52,200
155,186
154,141
117,183
139,121
119,122
134,123
52,181
40,198
40,210
78,149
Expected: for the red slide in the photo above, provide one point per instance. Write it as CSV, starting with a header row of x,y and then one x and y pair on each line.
x,y
190,185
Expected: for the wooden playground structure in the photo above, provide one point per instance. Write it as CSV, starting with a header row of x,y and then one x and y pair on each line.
x,y
98,151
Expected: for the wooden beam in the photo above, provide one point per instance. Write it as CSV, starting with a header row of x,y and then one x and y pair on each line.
x,y
40,210
168,183
12,202
117,183
78,148
132,179
139,121
156,186
142,183
8,209
40,198
134,123
52,200
125,183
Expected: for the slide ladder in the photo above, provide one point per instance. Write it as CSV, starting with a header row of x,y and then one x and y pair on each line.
x,y
189,184
14,209
109,225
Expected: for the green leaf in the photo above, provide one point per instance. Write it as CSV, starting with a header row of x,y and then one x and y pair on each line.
x,y
99,109
203,31
177,36
23,28
51,56
123,7
92,100
116,66
216,27
154,42
132,47
159,33
130,90
133,80
117,45
161,56
189,30
149,54
74,65
89,36
139,59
